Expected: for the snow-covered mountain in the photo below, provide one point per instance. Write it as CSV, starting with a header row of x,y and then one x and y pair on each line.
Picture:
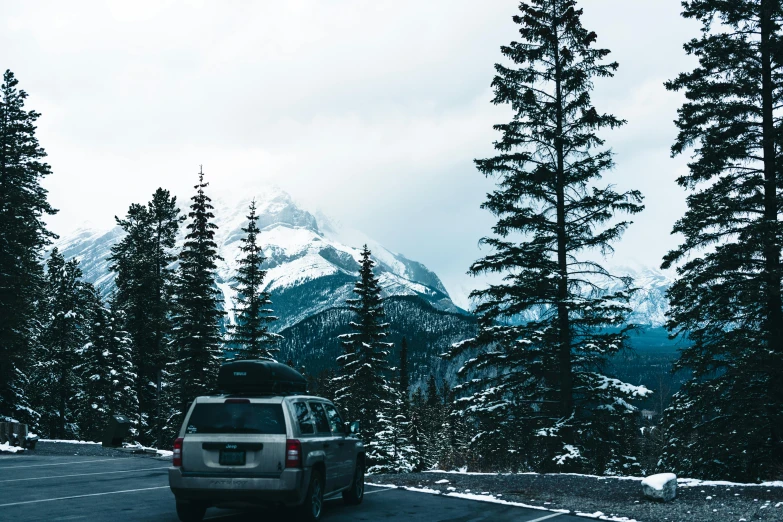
x,y
310,268
313,264
649,302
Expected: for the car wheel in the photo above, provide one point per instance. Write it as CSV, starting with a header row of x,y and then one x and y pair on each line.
x,y
355,493
189,512
310,510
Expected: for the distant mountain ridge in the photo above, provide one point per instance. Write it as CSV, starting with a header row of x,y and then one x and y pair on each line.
x,y
309,269
312,264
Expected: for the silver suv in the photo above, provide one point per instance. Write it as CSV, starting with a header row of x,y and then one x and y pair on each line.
x,y
267,448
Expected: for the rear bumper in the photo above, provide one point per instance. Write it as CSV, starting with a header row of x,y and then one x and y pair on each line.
x,y
287,489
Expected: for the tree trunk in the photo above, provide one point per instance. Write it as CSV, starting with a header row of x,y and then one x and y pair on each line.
x,y
771,247
564,326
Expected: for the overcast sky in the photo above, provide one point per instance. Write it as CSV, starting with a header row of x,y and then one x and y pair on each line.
x,y
370,111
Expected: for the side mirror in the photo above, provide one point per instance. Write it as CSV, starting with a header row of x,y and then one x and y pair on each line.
x,y
354,427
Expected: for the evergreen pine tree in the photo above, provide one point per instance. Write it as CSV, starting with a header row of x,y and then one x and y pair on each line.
x,y
430,419
362,387
528,385
415,434
142,261
250,336
23,235
64,334
197,316
108,379
453,435
323,384
391,450
727,421
93,369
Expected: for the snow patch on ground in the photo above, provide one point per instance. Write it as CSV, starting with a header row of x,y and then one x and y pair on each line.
x,y
600,516
69,441
692,483
7,448
139,447
461,472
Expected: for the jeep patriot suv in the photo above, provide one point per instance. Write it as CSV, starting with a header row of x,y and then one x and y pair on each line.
x,y
260,441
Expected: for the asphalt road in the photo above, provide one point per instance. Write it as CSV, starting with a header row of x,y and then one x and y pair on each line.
x,y
58,488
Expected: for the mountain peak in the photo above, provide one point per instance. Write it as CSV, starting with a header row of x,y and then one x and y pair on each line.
x,y
308,270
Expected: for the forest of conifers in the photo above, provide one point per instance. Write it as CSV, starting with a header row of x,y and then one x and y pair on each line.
x,y
527,395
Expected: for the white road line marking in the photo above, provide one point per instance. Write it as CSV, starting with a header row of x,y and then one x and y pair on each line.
x,y
58,464
83,474
546,517
80,496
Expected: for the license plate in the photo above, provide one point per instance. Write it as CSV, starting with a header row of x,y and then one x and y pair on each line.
x,y
232,458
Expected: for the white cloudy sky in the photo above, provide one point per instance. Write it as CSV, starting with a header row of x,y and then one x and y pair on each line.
x,y
371,112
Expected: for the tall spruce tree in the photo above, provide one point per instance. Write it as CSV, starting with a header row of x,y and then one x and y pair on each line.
x,y
66,316
391,450
727,421
363,390
431,417
249,336
197,318
108,379
23,235
529,384
142,261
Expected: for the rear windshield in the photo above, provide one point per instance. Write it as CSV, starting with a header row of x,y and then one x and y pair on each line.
x,y
237,418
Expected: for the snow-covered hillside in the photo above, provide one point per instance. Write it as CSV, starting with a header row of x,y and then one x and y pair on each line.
x,y
309,268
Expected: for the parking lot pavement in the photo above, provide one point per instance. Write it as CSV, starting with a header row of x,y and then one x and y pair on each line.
x,y
96,489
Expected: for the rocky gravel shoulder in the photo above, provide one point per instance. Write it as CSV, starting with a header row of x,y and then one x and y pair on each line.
x,y
605,498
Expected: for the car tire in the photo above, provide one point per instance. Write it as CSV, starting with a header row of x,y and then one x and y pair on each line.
x,y
355,493
191,512
311,509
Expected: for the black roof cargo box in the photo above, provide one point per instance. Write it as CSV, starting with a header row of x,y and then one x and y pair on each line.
x,y
262,377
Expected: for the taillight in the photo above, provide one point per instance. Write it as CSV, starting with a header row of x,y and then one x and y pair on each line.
x,y
293,453
177,457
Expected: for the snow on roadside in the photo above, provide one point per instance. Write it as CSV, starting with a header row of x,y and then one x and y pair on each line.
x,y
600,516
692,483
465,472
69,441
139,447
7,448
683,482
127,446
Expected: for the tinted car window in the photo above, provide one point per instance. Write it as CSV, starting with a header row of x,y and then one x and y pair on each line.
x,y
334,419
303,418
321,422
236,418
